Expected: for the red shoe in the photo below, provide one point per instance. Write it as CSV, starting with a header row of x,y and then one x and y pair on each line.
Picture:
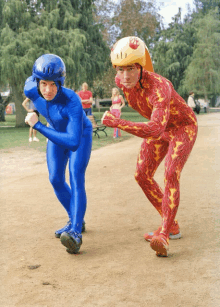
x,y
160,244
174,233
148,236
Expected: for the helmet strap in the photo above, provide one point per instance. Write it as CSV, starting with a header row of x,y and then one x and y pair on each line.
x,y
141,77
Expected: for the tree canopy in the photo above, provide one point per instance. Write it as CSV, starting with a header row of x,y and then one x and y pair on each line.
x,y
66,28
82,32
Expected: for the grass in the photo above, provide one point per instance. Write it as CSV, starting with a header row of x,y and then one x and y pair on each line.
x,y
12,137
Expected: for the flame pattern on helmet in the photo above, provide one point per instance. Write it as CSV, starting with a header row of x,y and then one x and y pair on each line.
x,y
134,43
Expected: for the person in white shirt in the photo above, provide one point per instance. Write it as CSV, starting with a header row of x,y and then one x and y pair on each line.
x,y
190,101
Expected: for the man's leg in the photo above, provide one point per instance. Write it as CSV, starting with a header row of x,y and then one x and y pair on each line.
x,y
78,162
89,112
77,168
179,149
151,154
57,158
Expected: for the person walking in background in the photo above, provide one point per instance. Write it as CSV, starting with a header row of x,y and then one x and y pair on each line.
x,y
117,104
170,132
192,103
86,99
69,139
31,109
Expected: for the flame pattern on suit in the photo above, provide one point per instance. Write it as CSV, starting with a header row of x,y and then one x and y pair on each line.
x,y
170,133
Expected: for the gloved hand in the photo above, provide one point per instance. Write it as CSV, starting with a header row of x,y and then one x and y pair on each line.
x,y
31,119
30,89
109,120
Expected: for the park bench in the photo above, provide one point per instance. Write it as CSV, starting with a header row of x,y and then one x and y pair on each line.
x,y
96,126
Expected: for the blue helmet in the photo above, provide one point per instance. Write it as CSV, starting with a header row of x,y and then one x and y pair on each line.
x,y
49,67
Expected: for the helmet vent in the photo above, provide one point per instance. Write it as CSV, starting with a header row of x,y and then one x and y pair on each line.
x,y
121,55
126,55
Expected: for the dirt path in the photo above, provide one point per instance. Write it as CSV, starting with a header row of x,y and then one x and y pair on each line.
x,y
116,266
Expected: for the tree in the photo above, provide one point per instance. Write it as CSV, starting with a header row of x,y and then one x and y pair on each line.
x,y
173,51
125,18
205,5
3,104
65,27
203,73
136,18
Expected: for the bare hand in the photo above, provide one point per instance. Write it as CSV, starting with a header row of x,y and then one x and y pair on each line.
x,y
31,119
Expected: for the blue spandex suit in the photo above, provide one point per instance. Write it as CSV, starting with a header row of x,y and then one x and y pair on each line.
x,y
69,137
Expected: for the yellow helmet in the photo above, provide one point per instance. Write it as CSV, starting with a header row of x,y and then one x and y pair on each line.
x,y
130,50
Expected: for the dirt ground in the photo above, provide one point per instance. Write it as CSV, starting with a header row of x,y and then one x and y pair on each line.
x,y
116,266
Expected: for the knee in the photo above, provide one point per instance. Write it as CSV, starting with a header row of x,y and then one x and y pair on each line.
x,y
142,177
56,181
172,175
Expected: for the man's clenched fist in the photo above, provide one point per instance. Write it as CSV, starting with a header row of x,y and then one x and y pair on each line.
x,y
31,119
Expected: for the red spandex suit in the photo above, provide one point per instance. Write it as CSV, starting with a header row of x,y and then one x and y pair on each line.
x,y
170,133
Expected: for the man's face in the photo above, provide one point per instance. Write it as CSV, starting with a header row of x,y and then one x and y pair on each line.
x,y
84,87
128,75
48,89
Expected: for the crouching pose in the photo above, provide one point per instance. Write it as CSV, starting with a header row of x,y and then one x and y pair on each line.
x,y
171,132
69,138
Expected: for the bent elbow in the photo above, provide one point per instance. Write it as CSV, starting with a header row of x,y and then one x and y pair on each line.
x,y
156,130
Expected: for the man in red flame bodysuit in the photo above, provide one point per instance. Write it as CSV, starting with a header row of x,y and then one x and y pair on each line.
x,y
171,132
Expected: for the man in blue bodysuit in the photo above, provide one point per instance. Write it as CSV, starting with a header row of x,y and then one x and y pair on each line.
x,y
69,138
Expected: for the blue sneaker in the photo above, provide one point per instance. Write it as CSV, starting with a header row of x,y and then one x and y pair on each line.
x,y
66,228
72,241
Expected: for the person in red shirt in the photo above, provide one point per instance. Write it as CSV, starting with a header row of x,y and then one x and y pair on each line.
x,y
170,133
86,99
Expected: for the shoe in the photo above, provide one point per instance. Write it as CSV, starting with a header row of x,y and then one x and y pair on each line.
x,y
174,233
160,244
66,228
36,139
30,139
72,241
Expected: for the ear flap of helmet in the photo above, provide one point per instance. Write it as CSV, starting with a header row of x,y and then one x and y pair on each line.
x,y
148,62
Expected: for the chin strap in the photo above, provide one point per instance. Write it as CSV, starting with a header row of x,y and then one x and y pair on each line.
x,y
141,77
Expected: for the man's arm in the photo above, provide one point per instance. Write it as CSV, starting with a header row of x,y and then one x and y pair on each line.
x,y
157,124
73,111
69,139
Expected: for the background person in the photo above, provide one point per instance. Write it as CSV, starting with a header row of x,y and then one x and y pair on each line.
x,y
69,138
86,99
192,103
171,132
117,104
29,109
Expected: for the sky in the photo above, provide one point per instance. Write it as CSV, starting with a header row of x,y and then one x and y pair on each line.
x,y
170,8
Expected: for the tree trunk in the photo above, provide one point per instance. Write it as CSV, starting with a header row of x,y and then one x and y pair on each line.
x,y
20,111
3,104
2,113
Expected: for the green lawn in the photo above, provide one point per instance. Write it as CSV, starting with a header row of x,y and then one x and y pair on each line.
x,y
18,137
